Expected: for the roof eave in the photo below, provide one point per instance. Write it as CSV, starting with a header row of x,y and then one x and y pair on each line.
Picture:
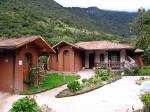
x,y
55,46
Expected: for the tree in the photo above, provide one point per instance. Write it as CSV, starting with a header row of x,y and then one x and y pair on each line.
x,y
141,26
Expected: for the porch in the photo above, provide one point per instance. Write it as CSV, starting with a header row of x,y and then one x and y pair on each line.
x,y
111,64
114,59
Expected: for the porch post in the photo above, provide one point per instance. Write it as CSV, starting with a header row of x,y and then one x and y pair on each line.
x,y
94,59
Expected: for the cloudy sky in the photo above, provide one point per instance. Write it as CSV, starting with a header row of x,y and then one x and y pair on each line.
x,y
120,5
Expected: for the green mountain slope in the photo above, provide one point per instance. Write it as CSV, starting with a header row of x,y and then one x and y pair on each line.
x,y
54,22
45,18
113,22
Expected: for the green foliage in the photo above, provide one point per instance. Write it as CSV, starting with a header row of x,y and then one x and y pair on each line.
x,y
51,81
105,74
146,100
135,69
43,59
34,73
93,80
74,86
141,26
56,23
26,104
104,78
105,21
146,56
128,72
28,82
101,72
132,71
144,71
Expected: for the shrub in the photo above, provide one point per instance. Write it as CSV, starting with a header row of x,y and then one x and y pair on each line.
x,y
129,72
101,73
135,68
105,74
104,78
144,71
28,82
146,101
74,86
84,80
26,104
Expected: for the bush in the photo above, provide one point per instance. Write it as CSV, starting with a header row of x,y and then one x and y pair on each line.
x,y
105,74
135,68
84,80
74,86
132,70
144,71
92,80
26,104
101,73
128,72
104,78
146,101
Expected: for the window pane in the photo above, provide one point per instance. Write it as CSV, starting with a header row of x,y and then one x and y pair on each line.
x,y
66,53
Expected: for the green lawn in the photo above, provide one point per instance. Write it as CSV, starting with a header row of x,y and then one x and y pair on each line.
x,y
51,81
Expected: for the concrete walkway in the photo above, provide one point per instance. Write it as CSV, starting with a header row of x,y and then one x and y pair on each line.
x,y
120,96
86,74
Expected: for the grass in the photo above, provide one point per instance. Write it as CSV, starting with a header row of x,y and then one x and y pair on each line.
x,y
145,71
90,84
139,82
51,81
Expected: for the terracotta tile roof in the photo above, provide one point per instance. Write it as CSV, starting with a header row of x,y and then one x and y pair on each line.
x,y
103,45
14,43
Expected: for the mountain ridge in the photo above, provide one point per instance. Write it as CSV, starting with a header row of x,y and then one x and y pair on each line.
x,y
117,21
54,22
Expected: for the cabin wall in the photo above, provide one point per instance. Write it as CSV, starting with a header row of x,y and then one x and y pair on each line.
x,y
53,62
6,71
138,60
78,60
73,61
29,48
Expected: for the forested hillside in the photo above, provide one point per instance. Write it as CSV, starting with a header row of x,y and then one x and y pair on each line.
x,y
54,22
113,22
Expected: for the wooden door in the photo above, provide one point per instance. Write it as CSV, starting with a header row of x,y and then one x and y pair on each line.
x,y
91,60
66,61
26,67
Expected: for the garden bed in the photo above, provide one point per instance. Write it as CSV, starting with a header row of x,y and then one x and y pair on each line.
x,y
51,81
85,89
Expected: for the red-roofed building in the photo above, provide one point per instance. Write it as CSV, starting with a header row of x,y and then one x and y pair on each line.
x,y
16,56
104,54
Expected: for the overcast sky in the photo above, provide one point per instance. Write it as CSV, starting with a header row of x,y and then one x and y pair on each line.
x,y
120,5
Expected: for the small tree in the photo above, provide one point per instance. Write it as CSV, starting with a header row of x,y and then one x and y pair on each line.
x,y
141,26
34,75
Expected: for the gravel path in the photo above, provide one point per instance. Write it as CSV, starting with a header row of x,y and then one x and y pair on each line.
x,y
120,96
